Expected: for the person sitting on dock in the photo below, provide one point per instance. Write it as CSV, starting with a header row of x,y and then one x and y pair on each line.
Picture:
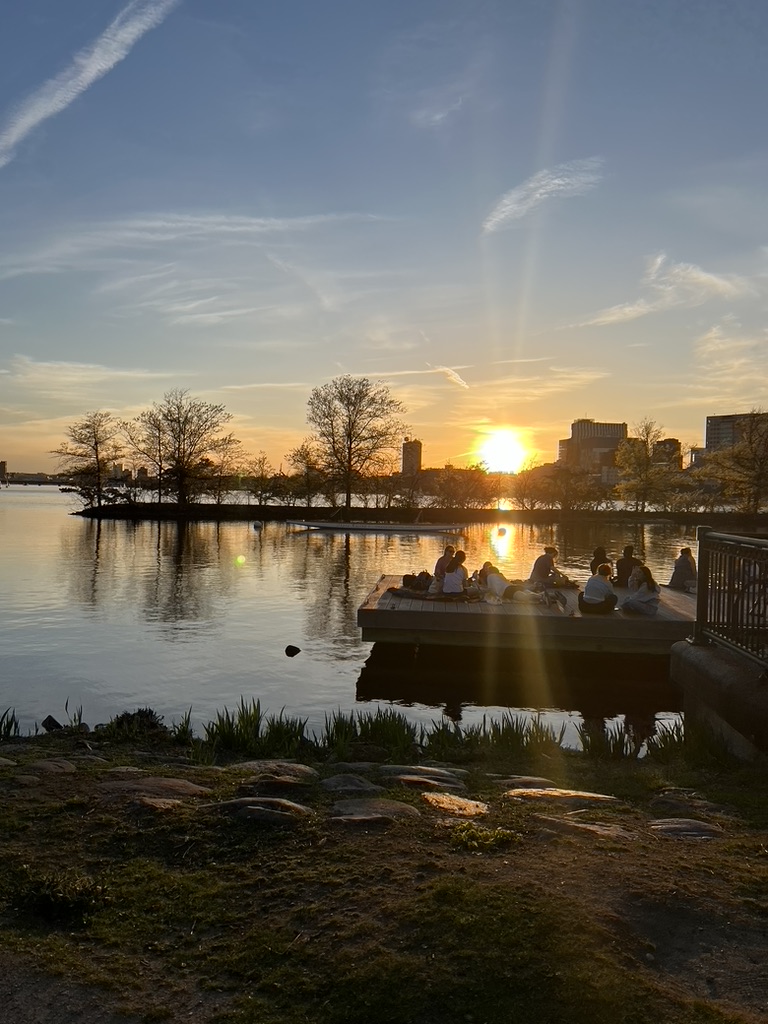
x,y
645,593
684,571
625,565
599,597
544,571
456,574
599,557
436,586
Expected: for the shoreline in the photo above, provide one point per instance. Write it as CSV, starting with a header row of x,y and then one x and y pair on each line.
x,y
201,512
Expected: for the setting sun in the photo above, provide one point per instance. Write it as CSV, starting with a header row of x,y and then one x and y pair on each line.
x,y
503,451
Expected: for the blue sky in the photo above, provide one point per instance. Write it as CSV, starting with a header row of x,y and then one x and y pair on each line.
x,y
516,213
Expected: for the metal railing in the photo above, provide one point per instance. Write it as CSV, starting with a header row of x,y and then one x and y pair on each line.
x,y
732,593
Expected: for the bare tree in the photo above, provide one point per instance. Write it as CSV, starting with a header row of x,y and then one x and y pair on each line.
x,y
357,425
308,478
189,432
92,447
646,470
144,437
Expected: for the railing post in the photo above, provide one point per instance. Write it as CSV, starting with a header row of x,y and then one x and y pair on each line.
x,y
702,586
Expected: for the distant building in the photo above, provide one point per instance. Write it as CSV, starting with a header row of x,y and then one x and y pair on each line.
x,y
724,431
411,460
592,445
668,451
3,472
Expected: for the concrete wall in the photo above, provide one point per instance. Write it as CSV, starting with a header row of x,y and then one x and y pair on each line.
x,y
727,691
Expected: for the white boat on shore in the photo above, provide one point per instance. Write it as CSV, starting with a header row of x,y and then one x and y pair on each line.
x,y
360,527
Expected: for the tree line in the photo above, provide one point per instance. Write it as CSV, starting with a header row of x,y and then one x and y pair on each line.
x,y
353,450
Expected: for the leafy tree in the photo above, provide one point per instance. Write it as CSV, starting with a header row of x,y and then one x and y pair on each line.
x,y
93,445
740,471
356,427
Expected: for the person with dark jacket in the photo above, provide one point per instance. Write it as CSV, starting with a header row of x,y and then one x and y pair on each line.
x,y
625,565
599,557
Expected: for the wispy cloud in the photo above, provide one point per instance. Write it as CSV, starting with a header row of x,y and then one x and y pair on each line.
x,y
452,376
85,247
671,285
87,67
80,382
570,179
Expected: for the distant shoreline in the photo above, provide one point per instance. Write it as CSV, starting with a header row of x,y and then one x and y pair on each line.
x,y
203,512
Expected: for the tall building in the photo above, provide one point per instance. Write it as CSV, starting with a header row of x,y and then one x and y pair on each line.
x,y
411,461
723,431
592,445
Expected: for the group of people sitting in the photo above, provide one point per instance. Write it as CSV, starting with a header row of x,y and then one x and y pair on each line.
x,y
599,597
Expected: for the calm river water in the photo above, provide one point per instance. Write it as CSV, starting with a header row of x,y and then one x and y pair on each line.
x,y
116,616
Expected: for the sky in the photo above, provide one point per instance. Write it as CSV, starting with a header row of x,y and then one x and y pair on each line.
x,y
516,214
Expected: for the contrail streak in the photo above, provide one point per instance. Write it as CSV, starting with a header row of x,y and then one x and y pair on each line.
x,y
87,67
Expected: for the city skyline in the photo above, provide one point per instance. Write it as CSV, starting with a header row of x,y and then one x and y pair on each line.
x,y
518,216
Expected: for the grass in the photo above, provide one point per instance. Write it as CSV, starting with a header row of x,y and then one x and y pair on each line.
x,y
428,920
9,725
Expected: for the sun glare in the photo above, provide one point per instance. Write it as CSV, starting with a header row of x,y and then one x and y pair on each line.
x,y
503,451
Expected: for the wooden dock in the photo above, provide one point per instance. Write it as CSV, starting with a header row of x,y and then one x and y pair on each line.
x,y
388,618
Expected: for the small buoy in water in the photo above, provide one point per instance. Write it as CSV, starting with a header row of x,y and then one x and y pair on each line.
x,y
292,651
502,532
258,526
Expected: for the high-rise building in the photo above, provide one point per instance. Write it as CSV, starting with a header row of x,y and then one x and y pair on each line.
x,y
411,461
592,445
723,431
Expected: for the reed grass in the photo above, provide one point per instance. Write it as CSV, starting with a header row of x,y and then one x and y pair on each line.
x,y
9,725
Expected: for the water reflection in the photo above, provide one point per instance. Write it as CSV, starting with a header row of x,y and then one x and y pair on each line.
x,y
96,614
454,679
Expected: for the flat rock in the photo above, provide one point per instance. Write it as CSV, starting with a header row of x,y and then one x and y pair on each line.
x,y
278,785
350,784
525,782
429,771
154,786
242,803
425,782
354,766
268,816
685,828
6,762
685,805
598,828
54,765
387,808
125,769
523,793
27,780
458,805
89,759
275,768
362,820
159,803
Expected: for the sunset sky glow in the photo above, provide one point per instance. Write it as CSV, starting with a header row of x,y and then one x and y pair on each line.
x,y
516,214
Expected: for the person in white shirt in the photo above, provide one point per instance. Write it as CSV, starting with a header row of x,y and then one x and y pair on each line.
x,y
456,574
599,597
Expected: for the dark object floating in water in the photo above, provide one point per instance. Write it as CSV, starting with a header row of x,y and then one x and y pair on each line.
x,y
502,531
292,651
258,526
